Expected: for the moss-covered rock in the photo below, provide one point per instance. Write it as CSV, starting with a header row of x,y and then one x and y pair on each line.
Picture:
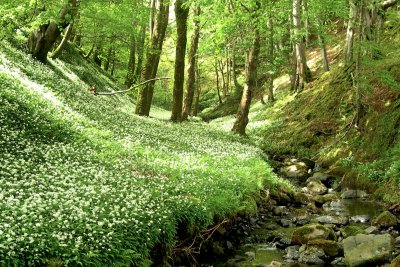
x,y
384,220
395,262
330,247
304,234
352,230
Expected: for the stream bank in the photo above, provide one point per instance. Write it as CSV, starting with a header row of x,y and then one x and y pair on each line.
x,y
319,224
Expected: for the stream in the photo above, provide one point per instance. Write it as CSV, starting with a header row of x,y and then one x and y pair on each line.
x,y
315,226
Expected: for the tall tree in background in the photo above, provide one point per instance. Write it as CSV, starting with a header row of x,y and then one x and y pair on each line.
x,y
303,75
145,93
242,119
42,40
181,15
130,75
191,80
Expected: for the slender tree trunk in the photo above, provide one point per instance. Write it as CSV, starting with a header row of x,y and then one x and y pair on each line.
x,y
131,62
195,106
218,81
234,70
57,52
271,56
228,71
42,40
181,14
242,119
96,54
108,58
145,93
190,85
348,51
306,23
324,55
140,53
114,62
302,73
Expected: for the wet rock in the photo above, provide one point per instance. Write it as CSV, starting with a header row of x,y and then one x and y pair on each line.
x,y
371,230
322,199
302,220
328,219
312,255
292,253
397,242
275,264
338,262
331,248
286,223
281,210
316,188
334,206
352,230
283,243
229,245
271,226
250,255
297,170
351,194
310,232
395,262
318,176
384,220
302,198
360,218
367,250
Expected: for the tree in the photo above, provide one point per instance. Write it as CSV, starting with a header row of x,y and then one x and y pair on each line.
x,y
190,85
42,40
242,119
154,49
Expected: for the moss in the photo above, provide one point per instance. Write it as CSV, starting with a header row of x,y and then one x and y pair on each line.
x,y
395,262
385,219
331,248
352,230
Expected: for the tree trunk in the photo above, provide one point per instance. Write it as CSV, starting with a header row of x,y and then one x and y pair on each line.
x,y
221,68
181,14
271,57
140,53
218,83
96,54
242,119
42,40
195,106
108,58
57,52
190,85
306,24
234,70
145,93
348,50
302,71
131,63
324,55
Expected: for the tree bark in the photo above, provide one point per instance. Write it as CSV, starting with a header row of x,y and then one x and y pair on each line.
x,y
324,55
302,71
57,52
271,57
131,62
96,54
108,58
42,40
218,81
348,50
140,53
221,68
190,85
195,105
181,14
145,93
242,119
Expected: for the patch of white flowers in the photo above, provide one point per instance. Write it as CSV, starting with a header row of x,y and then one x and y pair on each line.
x,y
83,178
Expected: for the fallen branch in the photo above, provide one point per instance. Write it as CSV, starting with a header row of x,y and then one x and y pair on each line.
x,y
133,87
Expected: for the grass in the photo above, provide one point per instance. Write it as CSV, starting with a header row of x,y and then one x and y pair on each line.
x,y
87,182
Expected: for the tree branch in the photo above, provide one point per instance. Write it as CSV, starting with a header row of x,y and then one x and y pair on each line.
x,y
133,87
388,3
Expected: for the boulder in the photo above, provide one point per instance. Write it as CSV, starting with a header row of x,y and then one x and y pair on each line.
x,y
371,230
304,234
302,198
367,250
360,218
292,253
352,230
322,199
316,188
395,262
384,220
330,247
350,194
329,219
313,255
297,170
397,242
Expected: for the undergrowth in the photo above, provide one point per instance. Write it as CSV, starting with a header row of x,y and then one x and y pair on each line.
x,y
86,182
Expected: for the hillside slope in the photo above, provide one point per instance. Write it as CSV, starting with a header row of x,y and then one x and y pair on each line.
x,y
84,181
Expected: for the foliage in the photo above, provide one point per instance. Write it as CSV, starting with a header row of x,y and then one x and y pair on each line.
x,y
86,182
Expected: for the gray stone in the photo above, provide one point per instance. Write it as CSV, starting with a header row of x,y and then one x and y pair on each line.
x,y
397,242
281,210
333,206
338,220
372,230
318,176
350,194
275,264
331,248
316,188
338,262
312,255
360,218
310,232
297,170
285,223
367,250
292,253
250,255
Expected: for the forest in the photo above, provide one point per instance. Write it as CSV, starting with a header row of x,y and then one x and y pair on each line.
x,y
226,133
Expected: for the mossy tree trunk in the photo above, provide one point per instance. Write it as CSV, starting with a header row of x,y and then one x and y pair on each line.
x,y
42,40
181,14
190,85
242,119
131,62
154,49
